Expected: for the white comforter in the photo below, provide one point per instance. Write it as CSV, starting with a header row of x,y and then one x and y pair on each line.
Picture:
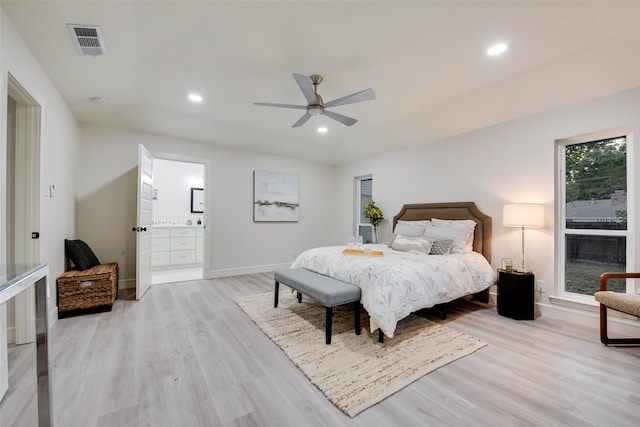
x,y
399,283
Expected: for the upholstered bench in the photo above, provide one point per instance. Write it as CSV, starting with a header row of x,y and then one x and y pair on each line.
x,y
326,290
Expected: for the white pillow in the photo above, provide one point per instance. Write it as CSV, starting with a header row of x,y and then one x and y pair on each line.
x,y
467,225
409,229
458,235
412,243
453,222
424,222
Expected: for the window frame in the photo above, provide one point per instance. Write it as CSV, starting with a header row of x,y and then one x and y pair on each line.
x,y
561,231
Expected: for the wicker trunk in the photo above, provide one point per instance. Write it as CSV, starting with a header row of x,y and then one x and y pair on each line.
x,y
93,289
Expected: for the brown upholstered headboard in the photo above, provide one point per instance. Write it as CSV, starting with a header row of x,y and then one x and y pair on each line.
x,y
453,210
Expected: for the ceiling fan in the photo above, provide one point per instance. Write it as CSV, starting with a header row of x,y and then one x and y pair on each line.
x,y
316,106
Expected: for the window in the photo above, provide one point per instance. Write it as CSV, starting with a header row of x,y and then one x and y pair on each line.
x,y
363,195
592,231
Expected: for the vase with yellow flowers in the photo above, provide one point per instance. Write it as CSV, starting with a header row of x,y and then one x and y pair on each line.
x,y
375,216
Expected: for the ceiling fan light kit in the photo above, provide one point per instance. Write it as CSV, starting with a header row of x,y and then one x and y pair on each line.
x,y
316,106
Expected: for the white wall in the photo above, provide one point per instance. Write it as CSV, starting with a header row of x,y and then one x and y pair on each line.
x,y
512,162
174,181
60,140
106,203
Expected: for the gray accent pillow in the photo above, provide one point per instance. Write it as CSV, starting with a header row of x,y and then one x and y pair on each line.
x,y
441,247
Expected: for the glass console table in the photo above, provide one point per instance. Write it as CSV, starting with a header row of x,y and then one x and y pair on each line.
x,y
13,280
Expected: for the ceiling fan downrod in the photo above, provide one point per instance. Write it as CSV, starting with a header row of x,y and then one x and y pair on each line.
x,y
316,109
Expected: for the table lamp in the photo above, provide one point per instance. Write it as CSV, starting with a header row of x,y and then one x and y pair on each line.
x,y
523,215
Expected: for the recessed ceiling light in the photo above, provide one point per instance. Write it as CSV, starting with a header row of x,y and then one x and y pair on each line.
x,y
195,97
497,49
322,129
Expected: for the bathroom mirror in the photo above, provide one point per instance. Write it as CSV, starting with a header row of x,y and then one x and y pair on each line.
x,y
197,200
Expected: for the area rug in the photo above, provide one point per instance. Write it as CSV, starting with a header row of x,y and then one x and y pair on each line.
x,y
355,371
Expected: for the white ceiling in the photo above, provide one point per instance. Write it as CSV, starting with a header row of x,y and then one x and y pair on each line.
x,y
425,60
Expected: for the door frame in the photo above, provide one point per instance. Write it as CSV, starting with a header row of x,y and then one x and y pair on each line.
x,y
25,127
27,214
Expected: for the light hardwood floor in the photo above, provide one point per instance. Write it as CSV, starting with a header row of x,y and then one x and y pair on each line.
x,y
188,356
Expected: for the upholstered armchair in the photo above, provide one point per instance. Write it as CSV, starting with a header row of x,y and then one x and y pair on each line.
x,y
628,303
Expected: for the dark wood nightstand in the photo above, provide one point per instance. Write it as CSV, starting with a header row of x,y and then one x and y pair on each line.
x,y
516,294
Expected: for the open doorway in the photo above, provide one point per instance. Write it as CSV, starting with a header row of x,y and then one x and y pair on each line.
x,y
178,220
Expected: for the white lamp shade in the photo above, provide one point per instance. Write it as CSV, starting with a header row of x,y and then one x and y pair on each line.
x,y
529,215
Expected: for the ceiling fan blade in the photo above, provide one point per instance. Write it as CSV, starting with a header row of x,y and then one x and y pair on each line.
x,y
269,104
306,86
339,117
363,95
302,120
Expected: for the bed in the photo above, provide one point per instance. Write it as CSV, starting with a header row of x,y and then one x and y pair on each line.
x,y
400,282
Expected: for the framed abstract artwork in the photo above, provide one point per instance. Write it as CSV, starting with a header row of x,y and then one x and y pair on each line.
x,y
275,197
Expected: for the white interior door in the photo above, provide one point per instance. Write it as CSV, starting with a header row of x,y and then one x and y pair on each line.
x,y
144,221
26,211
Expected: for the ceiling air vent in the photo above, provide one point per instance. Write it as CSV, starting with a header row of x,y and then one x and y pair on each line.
x,y
87,38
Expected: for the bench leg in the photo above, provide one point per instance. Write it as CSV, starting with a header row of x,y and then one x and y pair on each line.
x,y
328,326
380,336
299,297
356,310
275,298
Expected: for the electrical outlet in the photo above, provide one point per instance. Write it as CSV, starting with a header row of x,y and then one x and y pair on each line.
x,y
540,286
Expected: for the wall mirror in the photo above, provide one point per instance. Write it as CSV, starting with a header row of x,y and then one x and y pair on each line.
x,y
197,200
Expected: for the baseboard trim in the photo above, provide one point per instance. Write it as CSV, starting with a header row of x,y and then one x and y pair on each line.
x,y
53,316
617,323
11,335
127,284
215,274
227,272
